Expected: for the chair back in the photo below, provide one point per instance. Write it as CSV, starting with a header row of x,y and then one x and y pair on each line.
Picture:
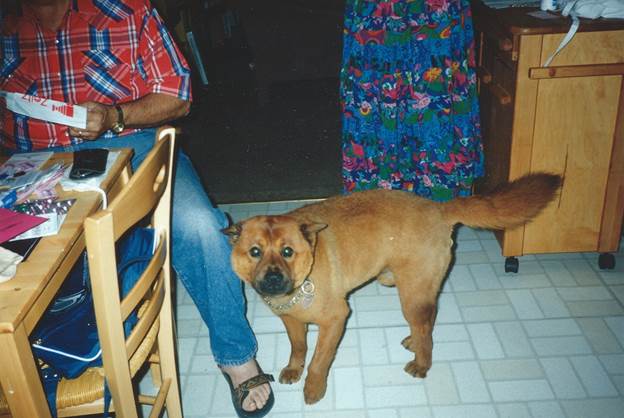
x,y
146,196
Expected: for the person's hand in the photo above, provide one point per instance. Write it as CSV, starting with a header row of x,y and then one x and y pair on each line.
x,y
100,118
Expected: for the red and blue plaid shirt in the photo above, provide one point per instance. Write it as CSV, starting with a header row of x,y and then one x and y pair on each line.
x,y
106,51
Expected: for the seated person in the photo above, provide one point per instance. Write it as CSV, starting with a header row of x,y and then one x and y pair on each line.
x,y
118,60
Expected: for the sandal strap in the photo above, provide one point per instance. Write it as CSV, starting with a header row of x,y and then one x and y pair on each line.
x,y
243,389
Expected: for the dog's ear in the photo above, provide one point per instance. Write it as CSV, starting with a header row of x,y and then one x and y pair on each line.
x,y
233,232
309,231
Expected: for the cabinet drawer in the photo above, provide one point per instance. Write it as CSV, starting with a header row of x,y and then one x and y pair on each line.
x,y
496,70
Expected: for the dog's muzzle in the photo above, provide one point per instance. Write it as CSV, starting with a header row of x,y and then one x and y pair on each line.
x,y
274,283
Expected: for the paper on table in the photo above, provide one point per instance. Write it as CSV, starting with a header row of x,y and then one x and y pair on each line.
x,y
21,169
46,109
50,227
14,223
53,210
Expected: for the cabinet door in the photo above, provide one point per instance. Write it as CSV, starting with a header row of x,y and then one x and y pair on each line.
x,y
573,134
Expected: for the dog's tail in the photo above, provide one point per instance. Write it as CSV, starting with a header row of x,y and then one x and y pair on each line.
x,y
510,205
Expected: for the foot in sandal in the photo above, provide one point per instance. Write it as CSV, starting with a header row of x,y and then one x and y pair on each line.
x,y
251,393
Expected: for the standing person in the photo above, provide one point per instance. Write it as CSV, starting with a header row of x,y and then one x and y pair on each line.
x,y
116,58
408,94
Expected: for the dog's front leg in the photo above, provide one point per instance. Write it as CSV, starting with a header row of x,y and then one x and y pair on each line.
x,y
297,331
331,329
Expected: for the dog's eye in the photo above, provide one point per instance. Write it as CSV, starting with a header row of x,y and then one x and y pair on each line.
x,y
287,252
255,252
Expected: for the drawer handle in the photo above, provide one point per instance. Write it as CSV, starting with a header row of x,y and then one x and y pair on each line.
x,y
484,75
590,70
504,98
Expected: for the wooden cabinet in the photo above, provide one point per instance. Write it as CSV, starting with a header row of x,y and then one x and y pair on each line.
x,y
567,118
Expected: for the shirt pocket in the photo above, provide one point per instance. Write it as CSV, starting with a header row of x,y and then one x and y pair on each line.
x,y
107,74
17,76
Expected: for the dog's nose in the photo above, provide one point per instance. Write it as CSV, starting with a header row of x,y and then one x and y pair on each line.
x,y
273,283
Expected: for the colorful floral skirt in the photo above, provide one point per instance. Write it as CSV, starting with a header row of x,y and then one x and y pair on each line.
x,y
410,116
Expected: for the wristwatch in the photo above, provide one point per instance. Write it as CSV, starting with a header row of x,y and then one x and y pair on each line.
x,y
118,126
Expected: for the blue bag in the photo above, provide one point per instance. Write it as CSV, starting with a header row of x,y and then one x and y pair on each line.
x,y
66,338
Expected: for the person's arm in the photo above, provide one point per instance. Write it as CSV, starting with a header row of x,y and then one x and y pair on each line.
x,y
166,92
151,110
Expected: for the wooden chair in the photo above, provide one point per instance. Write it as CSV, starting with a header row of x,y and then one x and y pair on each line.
x,y
152,340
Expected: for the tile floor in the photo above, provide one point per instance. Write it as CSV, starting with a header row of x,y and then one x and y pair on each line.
x,y
547,342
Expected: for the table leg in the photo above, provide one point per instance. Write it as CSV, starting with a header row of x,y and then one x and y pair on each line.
x,y
20,377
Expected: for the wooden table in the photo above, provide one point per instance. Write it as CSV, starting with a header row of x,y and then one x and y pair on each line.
x,y
24,298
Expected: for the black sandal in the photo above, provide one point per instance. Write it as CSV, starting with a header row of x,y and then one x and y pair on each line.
x,y
240,393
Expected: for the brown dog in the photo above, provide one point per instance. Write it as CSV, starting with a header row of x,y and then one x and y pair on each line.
x,y
305,263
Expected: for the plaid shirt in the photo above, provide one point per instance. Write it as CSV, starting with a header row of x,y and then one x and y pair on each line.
x,y
106,51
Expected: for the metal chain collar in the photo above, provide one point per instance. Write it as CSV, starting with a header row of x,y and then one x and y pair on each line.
x,y
305,293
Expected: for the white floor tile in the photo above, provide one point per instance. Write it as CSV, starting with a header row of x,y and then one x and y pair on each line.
x,y
561,346
465,411
470,382
563,378
511,369
594,408
513,410
524,304
349,388
521,390
548,409
440,385
485,341
394,396
593,376
513,339
550,303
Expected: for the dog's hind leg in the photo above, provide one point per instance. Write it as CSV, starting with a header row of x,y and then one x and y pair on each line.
x,y
419,309
420,341
297,332
331,328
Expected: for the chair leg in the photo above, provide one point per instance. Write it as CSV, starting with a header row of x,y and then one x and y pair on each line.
x,y
168,368
154,361
159,400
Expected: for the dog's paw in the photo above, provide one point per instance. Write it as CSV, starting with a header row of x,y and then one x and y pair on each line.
x,y
314,389
415,369
406,343
290,375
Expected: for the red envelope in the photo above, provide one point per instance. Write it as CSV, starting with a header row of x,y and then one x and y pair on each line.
x,y
14,223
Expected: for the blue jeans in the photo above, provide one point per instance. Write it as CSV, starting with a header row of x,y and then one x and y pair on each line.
x,y
200,253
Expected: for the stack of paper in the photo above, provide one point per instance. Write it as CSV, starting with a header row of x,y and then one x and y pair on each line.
x,y
22,170
14,223
52,210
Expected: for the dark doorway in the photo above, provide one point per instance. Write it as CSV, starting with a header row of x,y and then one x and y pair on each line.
x,y
266,127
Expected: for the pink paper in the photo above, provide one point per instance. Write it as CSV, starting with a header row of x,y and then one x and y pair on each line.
x,y
14,223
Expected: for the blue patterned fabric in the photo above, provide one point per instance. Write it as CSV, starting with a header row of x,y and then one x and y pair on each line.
x,y
408,94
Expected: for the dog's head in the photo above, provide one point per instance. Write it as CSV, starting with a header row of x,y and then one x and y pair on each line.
x,y
273,253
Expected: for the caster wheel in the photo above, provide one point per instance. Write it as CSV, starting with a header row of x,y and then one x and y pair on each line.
x,y
606,261
511,265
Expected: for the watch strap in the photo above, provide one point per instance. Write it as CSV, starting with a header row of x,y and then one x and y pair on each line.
x,y
120,115
119,125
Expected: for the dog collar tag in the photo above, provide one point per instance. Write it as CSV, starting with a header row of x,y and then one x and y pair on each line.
x,y
307,289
